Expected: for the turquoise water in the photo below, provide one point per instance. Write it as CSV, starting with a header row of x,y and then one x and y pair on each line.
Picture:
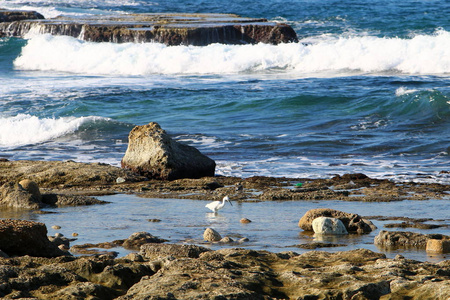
x,y
366,89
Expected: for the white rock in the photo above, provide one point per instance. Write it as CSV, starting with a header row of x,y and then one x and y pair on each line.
x,y
325,225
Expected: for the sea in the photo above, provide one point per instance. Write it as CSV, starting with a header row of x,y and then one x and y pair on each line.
x,y
366,89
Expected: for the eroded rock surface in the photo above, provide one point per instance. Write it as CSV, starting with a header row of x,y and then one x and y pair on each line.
x,y
20,237
153,154
402,239
353,222
170,29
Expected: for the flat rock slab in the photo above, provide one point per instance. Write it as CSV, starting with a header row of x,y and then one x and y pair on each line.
x,y
166,28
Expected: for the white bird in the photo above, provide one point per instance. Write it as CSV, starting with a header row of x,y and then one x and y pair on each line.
x,y
216,205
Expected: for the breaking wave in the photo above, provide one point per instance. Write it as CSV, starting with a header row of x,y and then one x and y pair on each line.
x,y
25,129
420,55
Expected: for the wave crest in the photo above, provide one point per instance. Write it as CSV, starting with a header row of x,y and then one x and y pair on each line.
x,y
423,54
25,129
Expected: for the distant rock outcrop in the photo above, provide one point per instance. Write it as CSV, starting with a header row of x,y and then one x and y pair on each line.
x,y
353,222
152,153
18,15
169,29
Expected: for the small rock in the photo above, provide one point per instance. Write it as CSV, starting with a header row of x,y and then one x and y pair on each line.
x,y
211,235
438,246
325,225
120,180
137,239
135,257
63,247
245,221
56,227
226,240
74,234
154,220
243,240
59,235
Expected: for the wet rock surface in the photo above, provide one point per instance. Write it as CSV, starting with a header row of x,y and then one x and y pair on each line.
x,y
353,223
93,179
402,239
166,28
225,274
18,15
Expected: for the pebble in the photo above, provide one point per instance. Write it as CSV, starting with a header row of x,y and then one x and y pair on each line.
x,y
245,221
56,227
120,180
74,234
154,220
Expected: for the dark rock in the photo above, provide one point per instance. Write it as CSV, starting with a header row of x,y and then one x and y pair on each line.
x,y
152,153
18,15
170,29
137,239
20,237
352,222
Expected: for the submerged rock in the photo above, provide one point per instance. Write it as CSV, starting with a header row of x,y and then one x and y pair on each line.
x,y
152,153
166,28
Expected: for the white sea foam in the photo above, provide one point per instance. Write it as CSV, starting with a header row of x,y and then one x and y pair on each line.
x,y
423,54
404,91
25,129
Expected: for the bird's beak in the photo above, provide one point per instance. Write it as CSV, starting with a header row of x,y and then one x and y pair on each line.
x,y
230,203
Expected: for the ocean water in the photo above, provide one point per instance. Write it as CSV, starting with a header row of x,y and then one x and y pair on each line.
x,y
366,89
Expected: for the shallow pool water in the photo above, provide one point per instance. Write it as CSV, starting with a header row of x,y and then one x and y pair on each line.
x,y
273,227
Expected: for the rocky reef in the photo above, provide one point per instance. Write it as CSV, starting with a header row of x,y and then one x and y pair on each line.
x,y
164,271
166,28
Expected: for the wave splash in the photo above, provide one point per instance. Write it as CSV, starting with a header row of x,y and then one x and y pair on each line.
x,y
25,129
422,54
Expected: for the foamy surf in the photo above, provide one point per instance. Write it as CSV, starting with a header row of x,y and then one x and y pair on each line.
x,y
25,129
420,55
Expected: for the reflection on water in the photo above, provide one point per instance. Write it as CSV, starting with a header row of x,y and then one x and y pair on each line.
x,y
273,227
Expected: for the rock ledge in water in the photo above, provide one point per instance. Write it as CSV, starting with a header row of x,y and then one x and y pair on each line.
x,y
166,28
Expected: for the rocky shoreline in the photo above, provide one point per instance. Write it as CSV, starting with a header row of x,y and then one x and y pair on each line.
x,y
167,28
157,270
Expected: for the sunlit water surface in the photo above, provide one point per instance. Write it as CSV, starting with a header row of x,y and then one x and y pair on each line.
x,y
274,225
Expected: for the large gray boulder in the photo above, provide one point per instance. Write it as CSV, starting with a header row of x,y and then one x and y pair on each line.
x,y
153,154
21,237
